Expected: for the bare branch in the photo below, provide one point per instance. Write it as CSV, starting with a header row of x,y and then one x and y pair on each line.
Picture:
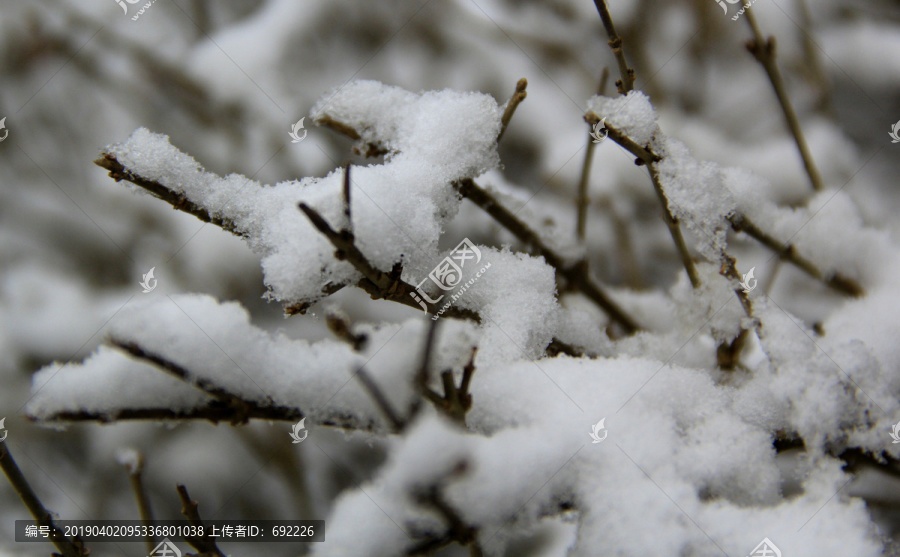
x,y
205,544
68,548
764,51
582,201
511,105
381,401
340,325
135,473
626,83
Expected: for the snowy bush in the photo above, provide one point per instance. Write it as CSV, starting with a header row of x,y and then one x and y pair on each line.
x,y
487,361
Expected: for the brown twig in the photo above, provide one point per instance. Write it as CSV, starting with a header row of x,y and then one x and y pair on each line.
x,y
813,56
650,159
379,285
178,201
204,544
67,547
511,105
577,274
626,83
582,201
788,252
213,412
346,193
340,325
243,409
764,51
456,401
741,223
135,477
381,401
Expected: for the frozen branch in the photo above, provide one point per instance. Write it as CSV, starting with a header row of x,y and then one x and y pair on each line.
x,y
764,51
645,157
378,284
118,172
577,274
740,223
243,409
788,252
67,547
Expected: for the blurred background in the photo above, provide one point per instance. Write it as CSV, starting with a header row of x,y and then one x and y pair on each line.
x,y
226,80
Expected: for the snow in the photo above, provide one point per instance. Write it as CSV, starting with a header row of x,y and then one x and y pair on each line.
x,y
688,467
632,114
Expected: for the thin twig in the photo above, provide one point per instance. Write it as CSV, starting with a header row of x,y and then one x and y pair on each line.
x,y
582,201
346,191
764,51
135,477
674,228
68,548
812,54
118,172
740,223
577,274
206,544
422,376
340,325
243,409
379,285
788,252
381,401
511,105
213,412
626,83
646,157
